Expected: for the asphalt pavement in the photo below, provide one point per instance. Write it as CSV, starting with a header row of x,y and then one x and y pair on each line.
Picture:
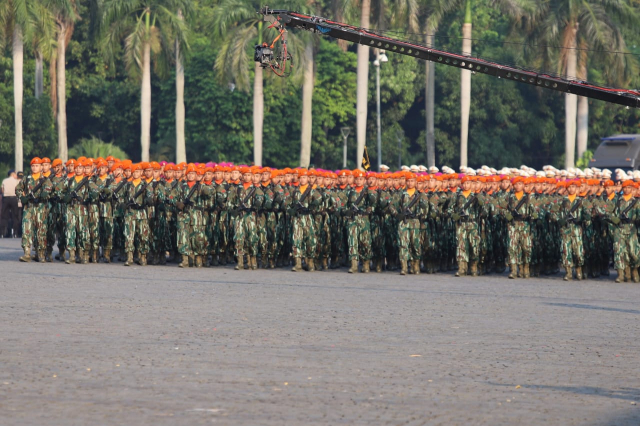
x,y
159,345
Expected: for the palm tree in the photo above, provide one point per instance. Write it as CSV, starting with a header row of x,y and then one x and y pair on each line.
x,y
15,24
307,104
239,28
65,15
43,41
181,149
362,83
578,27
150,29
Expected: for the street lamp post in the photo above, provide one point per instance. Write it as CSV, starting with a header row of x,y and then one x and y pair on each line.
x,y
345,134
381,57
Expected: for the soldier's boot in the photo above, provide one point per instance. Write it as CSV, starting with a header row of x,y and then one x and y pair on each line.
x,y
512,271
198,261
49,255
579,273
214,260
311,264
279,262
443,266
129,260
474,269
526,272
163,258
568,276
254,262
520,270
27,255
627,274
379,264
325,263
62,256
620,276
635,275
366,266
107,256
84,256
94,256
403,267
416,267
297,267
42,260
247,262
143,260
354,266
184,261
462,269
72,257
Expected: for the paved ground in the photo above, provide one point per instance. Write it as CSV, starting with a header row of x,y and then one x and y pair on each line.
x,y
105,344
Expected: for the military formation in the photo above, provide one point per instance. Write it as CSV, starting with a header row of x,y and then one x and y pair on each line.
x,y
413,220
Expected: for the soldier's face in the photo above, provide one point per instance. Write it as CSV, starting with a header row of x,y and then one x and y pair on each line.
x,y
350,179
71,168
276,180
191,176
137,174
371,181
247,177
36,168
235,175
342,179
103,170
411,183
208,176
148,173
266,176
419,185
79,170
110,164
466,185
319,181
304,180
312,179
518,186
218,175
572,189
287,178
627,190
257,178
199,176
117,172
360,181
168,174
57,169
46,167
157,173
227,176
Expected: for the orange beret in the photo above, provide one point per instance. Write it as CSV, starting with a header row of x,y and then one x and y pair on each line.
x,y
155,165
190,168
627,183
36,160
57,162
245,170
45,160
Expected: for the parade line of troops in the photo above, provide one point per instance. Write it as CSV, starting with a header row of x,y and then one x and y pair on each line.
x,y
475,222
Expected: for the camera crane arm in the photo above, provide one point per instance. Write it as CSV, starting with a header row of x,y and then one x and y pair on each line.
x,y
286,18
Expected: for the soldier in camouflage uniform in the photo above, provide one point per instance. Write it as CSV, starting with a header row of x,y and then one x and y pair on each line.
x,y
34,191
55,222
136,195
77,194
518,209
465,211
105,211
408,209
303,203
360,204
623,216
569,213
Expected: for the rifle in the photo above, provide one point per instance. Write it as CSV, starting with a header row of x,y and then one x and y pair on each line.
x,y
522,201
103,197
354,206
407,210
132,201
243,201
300,207
629,207
118,188
31,195
468,204
74,193
573,210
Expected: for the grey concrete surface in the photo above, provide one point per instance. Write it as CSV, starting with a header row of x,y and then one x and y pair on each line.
x,y
158,345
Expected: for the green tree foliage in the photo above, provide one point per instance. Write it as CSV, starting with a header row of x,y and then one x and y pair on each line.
x,y
93,147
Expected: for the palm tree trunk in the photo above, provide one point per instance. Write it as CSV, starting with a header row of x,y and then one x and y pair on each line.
x,y
430,101
181,153
465,86
362,77
62,102
39,74
258,115
18,88
145,103
307,105
571,103
583,125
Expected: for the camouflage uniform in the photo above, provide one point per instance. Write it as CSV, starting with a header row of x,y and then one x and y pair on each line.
x,y
408,209
519,213
359,207
136,224
247,201
35,213
77,196
301,210
570,215
626,248
466,212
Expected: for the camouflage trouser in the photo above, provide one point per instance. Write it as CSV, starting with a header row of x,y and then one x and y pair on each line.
x,y
182,234
245,234
304,236
170,243
377,237
468,242
571,245
409,246
93,223
261,229
34,226
429,240
212,232
76,228
390,229
272,235
118,233
626,249
323,235
223,231
336,235
520,242
499,241
136,231
106,233
55,227
359,232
